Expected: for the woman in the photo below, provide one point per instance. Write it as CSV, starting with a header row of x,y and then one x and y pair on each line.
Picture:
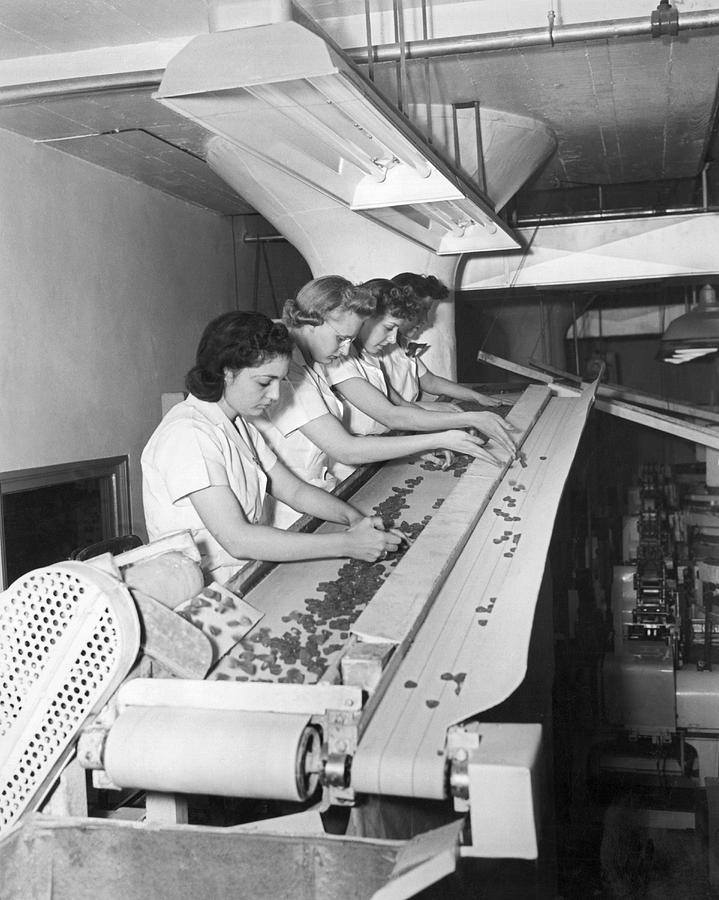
x,y
393,307
206,468
409,377
352,379
304,427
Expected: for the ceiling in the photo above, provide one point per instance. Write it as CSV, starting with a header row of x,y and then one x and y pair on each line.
x,y
634,116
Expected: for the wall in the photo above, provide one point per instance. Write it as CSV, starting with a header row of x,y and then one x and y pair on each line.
x,y
267,273
106,286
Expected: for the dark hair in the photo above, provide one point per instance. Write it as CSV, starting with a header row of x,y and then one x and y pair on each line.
x,y
393,299
423,285
234,340
324,295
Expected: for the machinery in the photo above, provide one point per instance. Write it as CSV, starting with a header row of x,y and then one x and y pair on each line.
x,y
382,692
660,682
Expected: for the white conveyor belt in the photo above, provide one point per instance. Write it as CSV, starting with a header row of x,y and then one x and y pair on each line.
x,y
471,652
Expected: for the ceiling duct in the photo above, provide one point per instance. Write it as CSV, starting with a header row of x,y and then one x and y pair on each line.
x,y
289,96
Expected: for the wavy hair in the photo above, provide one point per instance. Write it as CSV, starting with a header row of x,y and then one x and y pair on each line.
x,y
234,340
423,285
324,295
393,299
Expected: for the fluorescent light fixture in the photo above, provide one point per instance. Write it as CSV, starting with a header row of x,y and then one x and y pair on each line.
x,y
695,334
286,94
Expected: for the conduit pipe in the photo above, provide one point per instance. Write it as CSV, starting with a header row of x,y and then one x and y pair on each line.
x,y
424,49
606,215
529,37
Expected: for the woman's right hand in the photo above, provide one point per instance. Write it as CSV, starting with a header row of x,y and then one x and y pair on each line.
x,y
495,428
368,540
470,444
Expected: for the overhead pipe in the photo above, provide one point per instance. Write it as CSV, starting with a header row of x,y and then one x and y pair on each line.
x,y
529,37
424,49
606,216
86,84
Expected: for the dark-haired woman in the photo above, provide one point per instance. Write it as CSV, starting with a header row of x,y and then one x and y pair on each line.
x,y
206,468
406,372
304,427
369,407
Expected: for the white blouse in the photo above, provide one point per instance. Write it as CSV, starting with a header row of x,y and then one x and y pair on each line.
x,y
196,446
305,396
403,372
358,366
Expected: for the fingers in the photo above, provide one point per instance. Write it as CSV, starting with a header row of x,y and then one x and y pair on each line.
x,y
492,425
479,453
474,447
487,401
391,540
382,541
402,537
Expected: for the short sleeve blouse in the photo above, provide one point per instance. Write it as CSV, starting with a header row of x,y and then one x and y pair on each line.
x,y
196,446
305,396
403,372
358,366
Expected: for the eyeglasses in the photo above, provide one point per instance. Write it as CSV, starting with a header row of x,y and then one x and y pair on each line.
x,y
343,341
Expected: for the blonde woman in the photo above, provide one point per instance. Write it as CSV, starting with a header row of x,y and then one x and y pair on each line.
x,y
304,427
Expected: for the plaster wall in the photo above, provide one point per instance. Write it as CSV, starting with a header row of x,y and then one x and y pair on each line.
x,y
106,287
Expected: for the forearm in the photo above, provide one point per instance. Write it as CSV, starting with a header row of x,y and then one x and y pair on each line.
x,y
221,514
315,502
276,545
398,418
435,384
368,449
330,436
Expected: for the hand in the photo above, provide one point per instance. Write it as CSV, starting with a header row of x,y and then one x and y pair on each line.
x,y
469,444
493,427
368,539
447,458
442,458
485,400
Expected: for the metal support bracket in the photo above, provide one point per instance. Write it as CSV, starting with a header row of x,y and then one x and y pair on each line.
x,y
665,19
339,746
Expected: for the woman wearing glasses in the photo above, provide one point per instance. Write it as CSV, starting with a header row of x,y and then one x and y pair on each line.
x,y
206,469
304,427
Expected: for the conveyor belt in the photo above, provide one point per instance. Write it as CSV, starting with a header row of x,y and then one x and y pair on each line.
x,y
309,607
471,652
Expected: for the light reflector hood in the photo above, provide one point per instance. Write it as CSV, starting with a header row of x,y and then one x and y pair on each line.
x,y
288,95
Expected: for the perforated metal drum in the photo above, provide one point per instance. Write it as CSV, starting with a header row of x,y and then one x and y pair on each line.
x,y
69,634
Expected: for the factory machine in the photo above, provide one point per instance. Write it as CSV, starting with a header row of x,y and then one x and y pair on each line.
x,y
381,693
661,679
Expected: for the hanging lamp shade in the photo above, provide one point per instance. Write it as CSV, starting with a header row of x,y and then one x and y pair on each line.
x,y
695,334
